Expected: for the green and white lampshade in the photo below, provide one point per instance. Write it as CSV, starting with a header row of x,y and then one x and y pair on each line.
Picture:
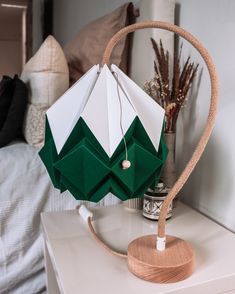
x,y
102,120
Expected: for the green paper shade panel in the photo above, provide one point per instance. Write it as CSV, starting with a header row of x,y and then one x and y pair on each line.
x,y
84,145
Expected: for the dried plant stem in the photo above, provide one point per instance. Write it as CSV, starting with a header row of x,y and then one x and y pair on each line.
x,y
171,97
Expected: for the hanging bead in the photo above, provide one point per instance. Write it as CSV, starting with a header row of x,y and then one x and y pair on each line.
x,y
126,164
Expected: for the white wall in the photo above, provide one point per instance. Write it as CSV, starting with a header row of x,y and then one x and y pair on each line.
x,y
142,56
211,187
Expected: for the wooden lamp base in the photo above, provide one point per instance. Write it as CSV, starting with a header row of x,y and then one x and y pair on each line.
x,y
174,264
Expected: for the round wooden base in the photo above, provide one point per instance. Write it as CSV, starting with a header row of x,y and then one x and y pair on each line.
x,y
174,264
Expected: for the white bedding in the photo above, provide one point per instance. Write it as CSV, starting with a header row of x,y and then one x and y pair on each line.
x,y
26,191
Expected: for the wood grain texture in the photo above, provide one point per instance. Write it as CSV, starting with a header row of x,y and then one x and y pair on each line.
x,y
174,264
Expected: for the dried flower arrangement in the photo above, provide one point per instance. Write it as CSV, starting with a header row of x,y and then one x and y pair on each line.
x,y
171,96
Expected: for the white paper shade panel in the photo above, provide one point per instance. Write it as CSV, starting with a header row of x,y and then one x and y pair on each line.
x,y
64,114
107,109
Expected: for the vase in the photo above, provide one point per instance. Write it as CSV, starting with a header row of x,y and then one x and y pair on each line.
x,y
168,175
153,200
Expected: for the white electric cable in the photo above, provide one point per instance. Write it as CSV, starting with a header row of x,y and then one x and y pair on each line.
x,y
161,243
121,114
85,213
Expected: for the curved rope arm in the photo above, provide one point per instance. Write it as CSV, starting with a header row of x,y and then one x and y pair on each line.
x,y
212,111
87,216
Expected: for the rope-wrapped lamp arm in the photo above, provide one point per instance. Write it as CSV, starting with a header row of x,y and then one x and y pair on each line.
x,y
160,240
146,255
212,111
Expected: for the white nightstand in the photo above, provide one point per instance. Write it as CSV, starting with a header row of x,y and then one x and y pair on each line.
x,y
76,264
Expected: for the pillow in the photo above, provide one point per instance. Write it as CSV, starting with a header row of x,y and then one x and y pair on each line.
x,y
12,126
87,47
6,92
46,75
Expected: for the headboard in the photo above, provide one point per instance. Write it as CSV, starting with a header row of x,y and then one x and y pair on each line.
x,y
142,55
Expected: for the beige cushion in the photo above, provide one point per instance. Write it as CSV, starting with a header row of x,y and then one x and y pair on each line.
x,y
87,47
47,77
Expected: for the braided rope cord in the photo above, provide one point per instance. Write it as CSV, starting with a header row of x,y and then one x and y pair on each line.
x,y
102,243
212,111
205,134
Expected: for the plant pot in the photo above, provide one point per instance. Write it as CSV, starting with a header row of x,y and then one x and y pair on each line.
x,y
168,176
153,200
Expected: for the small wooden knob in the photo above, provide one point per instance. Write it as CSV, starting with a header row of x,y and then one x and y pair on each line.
x,y
126,164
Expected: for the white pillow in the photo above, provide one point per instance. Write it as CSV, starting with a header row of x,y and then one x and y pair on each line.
x,y
47,77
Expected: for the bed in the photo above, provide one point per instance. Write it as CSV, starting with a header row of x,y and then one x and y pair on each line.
x,y
26,190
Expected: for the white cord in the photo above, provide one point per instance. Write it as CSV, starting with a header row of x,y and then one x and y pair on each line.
x,y
121,114
85,213
161,243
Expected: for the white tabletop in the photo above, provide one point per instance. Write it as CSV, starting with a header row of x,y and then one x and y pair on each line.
x,y
84,267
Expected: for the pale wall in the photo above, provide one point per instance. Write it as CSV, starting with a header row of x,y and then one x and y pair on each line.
x,y
211,187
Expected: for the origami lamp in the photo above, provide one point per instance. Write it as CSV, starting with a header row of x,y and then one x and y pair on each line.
x,y
105,135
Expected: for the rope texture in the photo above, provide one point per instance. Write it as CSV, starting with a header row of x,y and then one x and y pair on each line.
x,y
102,243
